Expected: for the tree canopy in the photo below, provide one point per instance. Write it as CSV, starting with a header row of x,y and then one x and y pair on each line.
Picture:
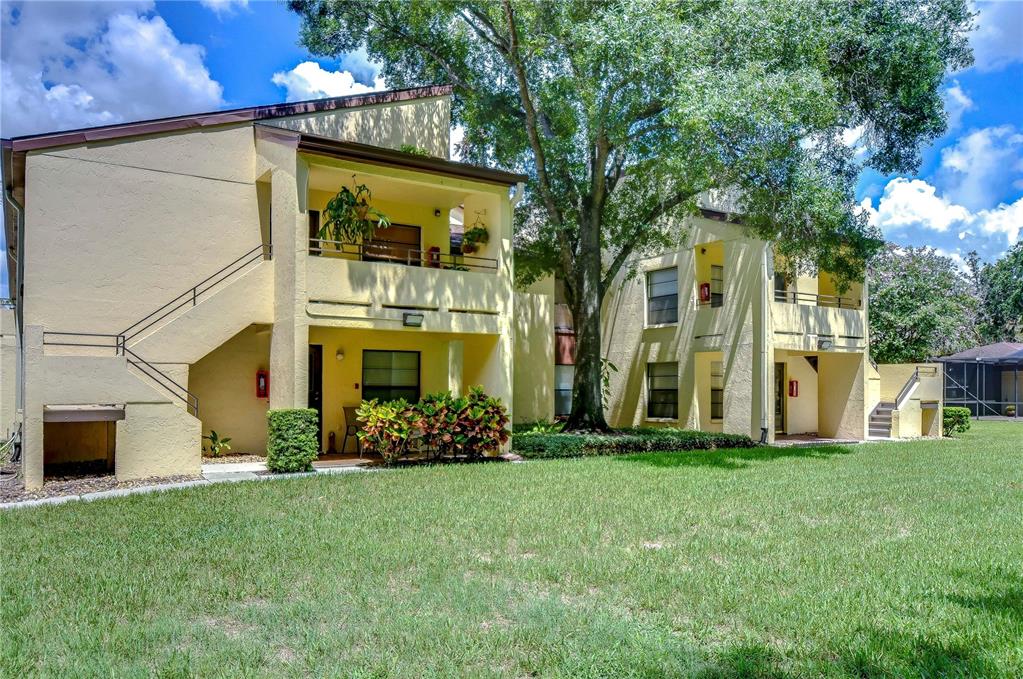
x,y
999,287
624,112
921,306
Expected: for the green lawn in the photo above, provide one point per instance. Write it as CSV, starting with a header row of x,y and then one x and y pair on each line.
x,y
896,559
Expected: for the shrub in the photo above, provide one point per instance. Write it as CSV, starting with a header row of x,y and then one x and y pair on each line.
x,y
624,441
481,424
439,422
292,440
954,419
539,427
388,428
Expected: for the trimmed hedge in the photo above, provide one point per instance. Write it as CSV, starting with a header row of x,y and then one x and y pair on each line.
x,y
954,420
292,440
623,441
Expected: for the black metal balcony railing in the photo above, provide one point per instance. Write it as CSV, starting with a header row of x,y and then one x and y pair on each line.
x,y
812,298
401,253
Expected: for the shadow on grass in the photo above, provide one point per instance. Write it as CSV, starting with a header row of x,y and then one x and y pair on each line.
x,y
1001,595
734,458
872,653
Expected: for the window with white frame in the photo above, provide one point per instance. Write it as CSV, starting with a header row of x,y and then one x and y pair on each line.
x,y
662,390
662,296
717,390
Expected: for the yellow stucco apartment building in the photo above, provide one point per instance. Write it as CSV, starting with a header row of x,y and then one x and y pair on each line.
x,y
168,279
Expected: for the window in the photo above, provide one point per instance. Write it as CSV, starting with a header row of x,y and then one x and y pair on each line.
x,y
662,296
563,377
717,390
781,288
717,285
662,390
390,375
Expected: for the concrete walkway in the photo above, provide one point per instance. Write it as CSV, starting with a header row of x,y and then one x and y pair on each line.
x,y
211,473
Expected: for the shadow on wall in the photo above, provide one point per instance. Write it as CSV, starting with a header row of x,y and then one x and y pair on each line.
x,y
734,458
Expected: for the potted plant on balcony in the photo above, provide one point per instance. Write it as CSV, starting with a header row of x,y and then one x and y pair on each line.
x,y
473,238
348,216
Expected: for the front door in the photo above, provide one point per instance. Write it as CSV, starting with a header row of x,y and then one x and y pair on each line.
x,y
316,385
779,398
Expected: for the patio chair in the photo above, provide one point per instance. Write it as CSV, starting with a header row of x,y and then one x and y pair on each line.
x,y
351,429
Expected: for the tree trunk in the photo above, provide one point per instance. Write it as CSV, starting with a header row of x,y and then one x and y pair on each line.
x,y
585,297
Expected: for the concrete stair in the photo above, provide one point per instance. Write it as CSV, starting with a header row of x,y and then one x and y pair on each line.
x,y
880,424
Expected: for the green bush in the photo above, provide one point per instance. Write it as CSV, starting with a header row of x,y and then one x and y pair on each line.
x,y
954,419
388,428
623,441
292,440
483,423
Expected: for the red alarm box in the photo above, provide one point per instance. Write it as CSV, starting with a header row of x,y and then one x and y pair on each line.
x,y
704,292
793,387
262,384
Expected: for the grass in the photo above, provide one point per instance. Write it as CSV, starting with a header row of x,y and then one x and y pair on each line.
x,y
894,560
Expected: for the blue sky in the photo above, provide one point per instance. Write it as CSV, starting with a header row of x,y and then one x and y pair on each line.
x,y
75,64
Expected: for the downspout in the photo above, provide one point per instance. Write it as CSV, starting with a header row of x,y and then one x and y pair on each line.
x,y
765,335
19,268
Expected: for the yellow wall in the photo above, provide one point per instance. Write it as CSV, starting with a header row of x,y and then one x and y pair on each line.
x,y
842,390
703,361
715,256
801,412
534,356
8,371
342,379
225,383
425,123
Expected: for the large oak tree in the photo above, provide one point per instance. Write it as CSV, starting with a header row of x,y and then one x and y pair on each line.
x,y
623,112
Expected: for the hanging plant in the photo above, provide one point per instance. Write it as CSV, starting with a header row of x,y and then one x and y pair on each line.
x,y
349,217
475,236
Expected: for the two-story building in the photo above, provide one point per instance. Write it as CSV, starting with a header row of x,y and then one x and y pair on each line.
x,y
173,279
716,337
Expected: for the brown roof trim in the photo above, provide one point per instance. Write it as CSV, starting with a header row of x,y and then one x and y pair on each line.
x,y
375,155
238,115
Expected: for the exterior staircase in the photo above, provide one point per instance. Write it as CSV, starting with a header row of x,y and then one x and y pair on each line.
x,y
881,420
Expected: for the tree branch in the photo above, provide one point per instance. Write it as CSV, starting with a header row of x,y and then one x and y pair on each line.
x,y
629,243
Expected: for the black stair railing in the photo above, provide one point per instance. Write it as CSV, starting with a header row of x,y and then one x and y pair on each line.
x,y
191,296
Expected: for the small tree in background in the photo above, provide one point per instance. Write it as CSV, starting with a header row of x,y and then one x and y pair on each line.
x,y
921,306
622,112
999,287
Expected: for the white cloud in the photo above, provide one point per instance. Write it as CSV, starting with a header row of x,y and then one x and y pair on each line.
x,y
982,165
996,39
957,102
223,7
914,206
76,64
309,80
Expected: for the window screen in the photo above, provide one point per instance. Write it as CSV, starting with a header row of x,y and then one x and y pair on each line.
x,y
390,375
662,390
717,390
563,377
662,296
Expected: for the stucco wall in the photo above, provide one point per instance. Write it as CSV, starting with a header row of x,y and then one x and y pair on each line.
x,y
534,357
802,410
8,371
425,123
225,383
157,439
842,392
114,230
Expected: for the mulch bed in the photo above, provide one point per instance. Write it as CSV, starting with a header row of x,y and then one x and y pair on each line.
x,y
231,459
77,485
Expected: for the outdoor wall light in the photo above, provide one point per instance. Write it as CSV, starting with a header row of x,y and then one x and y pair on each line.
x,y
412,320
340,355
824,343
436,212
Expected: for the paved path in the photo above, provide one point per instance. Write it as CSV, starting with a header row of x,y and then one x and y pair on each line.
x,y
211,473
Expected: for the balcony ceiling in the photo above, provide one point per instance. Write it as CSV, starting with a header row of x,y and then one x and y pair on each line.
x,y
323,178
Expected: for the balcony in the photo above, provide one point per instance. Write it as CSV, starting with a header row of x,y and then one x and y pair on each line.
x,y
401,253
